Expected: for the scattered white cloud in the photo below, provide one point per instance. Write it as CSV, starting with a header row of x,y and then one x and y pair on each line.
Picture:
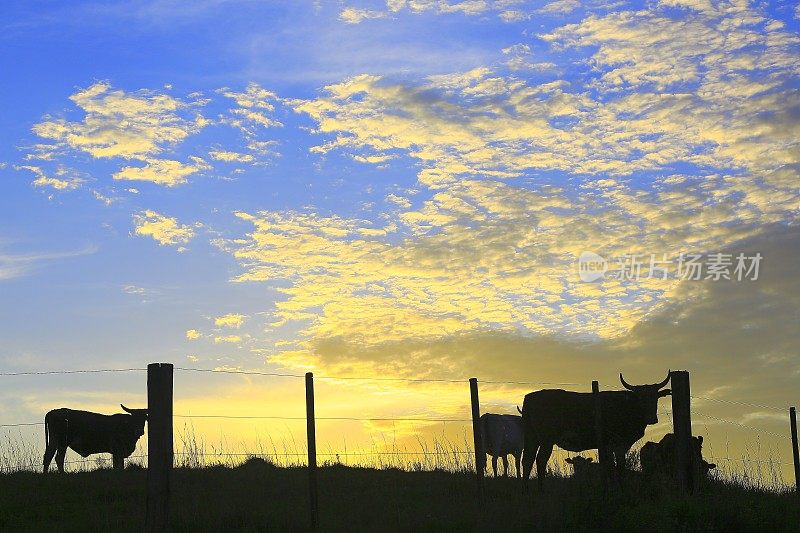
x,y
15,265
520,56
352,15
106,200
133,289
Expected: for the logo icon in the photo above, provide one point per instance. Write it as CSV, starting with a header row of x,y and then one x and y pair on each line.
x,y
591,266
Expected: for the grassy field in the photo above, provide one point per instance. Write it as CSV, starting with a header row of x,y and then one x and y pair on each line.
x,y
258,496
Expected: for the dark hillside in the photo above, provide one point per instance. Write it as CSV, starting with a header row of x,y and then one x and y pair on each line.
x,y
260,497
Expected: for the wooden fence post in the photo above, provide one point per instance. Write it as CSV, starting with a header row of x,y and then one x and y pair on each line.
x,y
685,464
795,454
159,445
602,451
313,498
480,456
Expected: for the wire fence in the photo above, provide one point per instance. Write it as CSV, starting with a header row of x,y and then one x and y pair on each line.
x,y
745,404
353,418
196,454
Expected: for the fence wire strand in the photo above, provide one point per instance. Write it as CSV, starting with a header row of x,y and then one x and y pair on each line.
x,y
56,372
734,402
287,375
378,419
72,462
325,454
366,378
733,422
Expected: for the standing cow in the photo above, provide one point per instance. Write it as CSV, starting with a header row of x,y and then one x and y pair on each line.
x,y
89,433
501,435
567,419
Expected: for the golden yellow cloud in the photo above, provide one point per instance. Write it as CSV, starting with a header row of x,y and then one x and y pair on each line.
x,y
66,180
231,320
163,229
133,126
254,108
480,254
230,157
119,124
352,15
160,171
228,339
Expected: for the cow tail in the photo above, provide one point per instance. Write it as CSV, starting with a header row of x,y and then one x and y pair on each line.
x,y
46,433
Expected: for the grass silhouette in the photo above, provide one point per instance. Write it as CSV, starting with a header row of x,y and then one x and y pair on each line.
x,y
260,496
385,487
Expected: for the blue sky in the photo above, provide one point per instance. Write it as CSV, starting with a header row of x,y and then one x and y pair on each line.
x,y
397,188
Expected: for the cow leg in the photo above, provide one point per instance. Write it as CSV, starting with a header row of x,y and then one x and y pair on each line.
x,y
529,450
60,454
48,455
505,466
545,450
516,464
620,456
494,465
528,456
119,462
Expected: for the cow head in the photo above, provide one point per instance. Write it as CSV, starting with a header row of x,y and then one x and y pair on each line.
x,y
648,396
139,418
579,460
706,467
580,465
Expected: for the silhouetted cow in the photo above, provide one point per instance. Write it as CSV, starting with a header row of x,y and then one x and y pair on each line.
x,y
583,466
658,458
89,433
566,419
502,435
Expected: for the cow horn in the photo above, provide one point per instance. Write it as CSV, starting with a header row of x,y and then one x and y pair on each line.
x,y
126,409
666,380
625,383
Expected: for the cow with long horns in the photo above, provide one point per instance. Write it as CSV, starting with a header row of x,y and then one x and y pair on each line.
x,y
89,433
566,419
